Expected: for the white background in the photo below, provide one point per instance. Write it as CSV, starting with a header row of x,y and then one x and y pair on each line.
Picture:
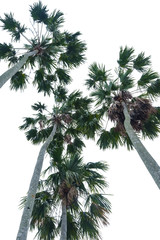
x,y
105,26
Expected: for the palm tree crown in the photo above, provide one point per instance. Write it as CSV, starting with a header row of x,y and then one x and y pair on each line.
x,y
111,92
50,51
78,184
73,116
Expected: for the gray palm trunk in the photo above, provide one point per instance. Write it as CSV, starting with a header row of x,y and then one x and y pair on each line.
x,y
64,221
24,224
12,71
148,160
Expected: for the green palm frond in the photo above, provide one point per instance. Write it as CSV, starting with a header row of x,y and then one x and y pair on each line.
x,y
101,95
127,142
125,57
55,21
95,181
88,227
99,207
36,137
76,146
43,83
154,89
63,76
97,165
126,79
6,51
72,227
147,77
39,107
97,74
87,123
39,13
75,48
47,229
27,123
109,139
19,81
60,94
140,63
151,127
12,26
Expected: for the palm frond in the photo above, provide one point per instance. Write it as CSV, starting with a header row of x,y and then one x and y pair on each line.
x,y
141,62
147,77
6,51
27,123
75,48
19,81
125,57
154,89
39,107
126,79
88,227
63,76
97,74
109,139
39,13
55,21
12,26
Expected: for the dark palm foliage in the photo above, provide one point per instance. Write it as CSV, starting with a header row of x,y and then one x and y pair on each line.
x,y
110,92
75,121
80,184
69,115
53,51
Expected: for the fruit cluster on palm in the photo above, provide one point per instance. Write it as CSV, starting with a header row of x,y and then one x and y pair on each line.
x,y
49,51
127,103
71,179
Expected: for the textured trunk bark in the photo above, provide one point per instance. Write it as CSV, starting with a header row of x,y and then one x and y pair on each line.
x,y
64,221
12,71
148,160
24,224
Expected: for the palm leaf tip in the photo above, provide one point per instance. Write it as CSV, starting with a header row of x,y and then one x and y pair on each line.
x,y
19,81
39,12
141,62
6,51
12,26
125,56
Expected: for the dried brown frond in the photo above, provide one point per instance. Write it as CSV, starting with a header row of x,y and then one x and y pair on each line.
x,y
66,118
72,195
139,109
68,192
67,139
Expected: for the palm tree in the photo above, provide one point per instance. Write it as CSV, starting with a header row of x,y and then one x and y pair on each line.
x,y
63,124
74,187
48,51
128,104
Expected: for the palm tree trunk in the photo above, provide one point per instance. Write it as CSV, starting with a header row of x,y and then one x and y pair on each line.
x,y
64,221
12,71
24,224
148,160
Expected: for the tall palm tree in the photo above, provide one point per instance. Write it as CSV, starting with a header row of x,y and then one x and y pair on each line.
x,y
61,124
48,51
76,188
128,104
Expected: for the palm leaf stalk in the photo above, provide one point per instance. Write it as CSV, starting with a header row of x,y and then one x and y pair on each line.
x,y
27,212
148,160
116,97
49,53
